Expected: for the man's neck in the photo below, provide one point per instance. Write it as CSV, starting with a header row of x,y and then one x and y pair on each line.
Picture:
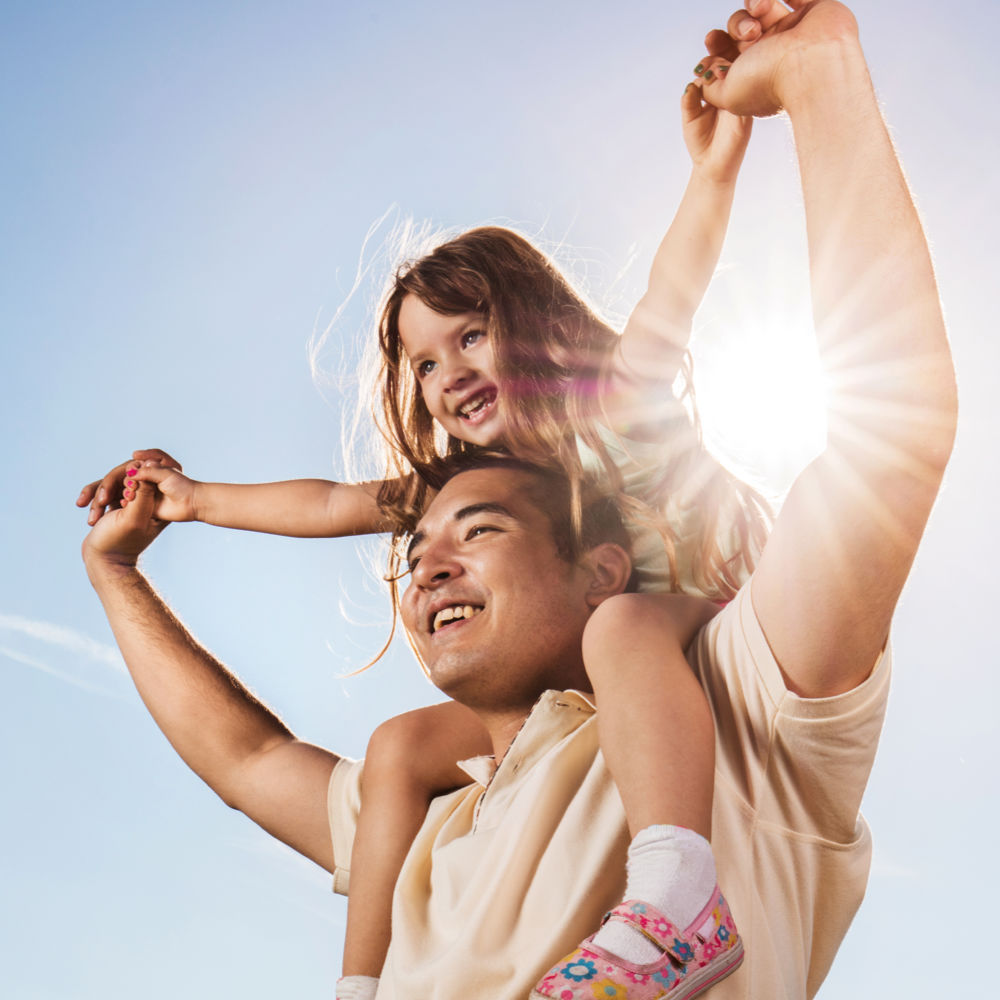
x,y
503,727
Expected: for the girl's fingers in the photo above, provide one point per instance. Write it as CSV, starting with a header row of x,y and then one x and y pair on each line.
x,y
114,489
149,472
712,68
691,106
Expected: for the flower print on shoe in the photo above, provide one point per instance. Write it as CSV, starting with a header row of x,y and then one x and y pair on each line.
x,y
692,961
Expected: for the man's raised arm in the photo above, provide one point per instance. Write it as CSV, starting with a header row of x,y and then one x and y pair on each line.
x,y
238,746
842,547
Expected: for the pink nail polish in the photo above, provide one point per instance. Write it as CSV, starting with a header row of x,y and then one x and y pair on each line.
x,y
130,472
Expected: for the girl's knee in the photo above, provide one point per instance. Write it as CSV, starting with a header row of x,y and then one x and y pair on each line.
x,y
395,743
628,628
421,748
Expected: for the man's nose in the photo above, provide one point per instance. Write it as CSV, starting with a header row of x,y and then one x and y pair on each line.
x,y
436,565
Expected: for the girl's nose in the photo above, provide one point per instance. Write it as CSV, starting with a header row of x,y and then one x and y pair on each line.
x,y
457,375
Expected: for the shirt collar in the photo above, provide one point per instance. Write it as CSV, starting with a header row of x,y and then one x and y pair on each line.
x,y
555,715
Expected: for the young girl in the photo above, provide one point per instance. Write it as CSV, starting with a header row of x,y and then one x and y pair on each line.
x,y
483,343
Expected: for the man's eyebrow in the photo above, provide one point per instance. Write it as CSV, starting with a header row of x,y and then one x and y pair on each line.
x,y
415,539
483,508
462,514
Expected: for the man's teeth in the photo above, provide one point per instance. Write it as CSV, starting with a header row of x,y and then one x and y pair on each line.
x,y
446,615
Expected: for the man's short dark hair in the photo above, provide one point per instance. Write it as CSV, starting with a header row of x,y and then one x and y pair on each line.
x,y
579,519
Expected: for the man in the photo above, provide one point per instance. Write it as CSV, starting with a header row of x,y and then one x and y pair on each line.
x,y
500,882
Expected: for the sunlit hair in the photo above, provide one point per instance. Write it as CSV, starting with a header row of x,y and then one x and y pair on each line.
x,y
551,351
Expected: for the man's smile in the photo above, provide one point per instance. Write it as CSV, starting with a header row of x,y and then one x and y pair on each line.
x,y
451,614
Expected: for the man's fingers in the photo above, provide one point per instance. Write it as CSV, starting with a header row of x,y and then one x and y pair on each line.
x,y
102,492
140,510
156,455
87,493
743,28
768,12
746,26
718,43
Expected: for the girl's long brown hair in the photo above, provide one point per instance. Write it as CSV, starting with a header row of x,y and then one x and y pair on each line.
x,y
551,350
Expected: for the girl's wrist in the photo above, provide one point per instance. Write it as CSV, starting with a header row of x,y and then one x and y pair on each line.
x,y
712,178
197,501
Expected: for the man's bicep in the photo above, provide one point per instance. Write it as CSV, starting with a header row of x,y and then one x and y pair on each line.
x,y
284,790
834,566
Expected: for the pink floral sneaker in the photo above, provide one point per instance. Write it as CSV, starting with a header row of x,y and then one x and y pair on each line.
x,y
692,961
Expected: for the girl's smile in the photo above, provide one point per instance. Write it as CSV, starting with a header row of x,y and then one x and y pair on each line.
x,y
452,360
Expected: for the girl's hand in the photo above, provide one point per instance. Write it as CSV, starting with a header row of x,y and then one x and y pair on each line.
x,y
107,493
716,140
175,492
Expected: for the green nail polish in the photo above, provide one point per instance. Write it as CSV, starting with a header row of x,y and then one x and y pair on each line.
x,y
708,75
699,67
723,70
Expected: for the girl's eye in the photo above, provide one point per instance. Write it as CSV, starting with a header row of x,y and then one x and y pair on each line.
x,y
471,337
425,368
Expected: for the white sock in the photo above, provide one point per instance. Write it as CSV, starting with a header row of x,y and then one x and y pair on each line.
x,y
357,987
671,868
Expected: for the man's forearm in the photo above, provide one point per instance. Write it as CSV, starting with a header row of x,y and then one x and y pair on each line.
x,y
878,318
209,717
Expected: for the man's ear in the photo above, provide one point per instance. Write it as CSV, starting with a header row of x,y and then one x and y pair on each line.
x,y
610,569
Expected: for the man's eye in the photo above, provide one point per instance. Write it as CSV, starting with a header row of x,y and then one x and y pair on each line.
x,y
478,529
425,368
471,337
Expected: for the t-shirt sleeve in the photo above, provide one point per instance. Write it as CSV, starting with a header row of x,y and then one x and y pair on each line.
x,y
798,764
343,802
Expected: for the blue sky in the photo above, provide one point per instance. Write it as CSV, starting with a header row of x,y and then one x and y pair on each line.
x,y
186,189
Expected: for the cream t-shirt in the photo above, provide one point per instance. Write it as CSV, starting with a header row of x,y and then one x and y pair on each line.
x,y
512,872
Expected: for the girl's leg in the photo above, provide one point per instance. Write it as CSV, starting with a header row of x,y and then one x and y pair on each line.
x,y
655,726
410,759
658,739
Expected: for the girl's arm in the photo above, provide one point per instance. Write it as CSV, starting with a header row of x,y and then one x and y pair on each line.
x,y
410,759
305,508
656,335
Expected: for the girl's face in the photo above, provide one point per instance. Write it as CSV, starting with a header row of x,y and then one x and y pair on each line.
x,y
453,362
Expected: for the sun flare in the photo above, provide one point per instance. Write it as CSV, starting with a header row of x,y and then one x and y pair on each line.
x,y
761,396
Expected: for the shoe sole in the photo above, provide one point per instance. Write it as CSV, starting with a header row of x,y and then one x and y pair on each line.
x,y
697,982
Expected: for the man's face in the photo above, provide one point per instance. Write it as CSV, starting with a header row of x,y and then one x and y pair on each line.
x,y
495,614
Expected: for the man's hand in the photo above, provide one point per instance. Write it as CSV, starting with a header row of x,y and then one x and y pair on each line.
x,y
121,535
761,61
109,492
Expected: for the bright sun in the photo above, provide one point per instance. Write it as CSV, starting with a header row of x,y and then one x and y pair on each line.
x,y
762,399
